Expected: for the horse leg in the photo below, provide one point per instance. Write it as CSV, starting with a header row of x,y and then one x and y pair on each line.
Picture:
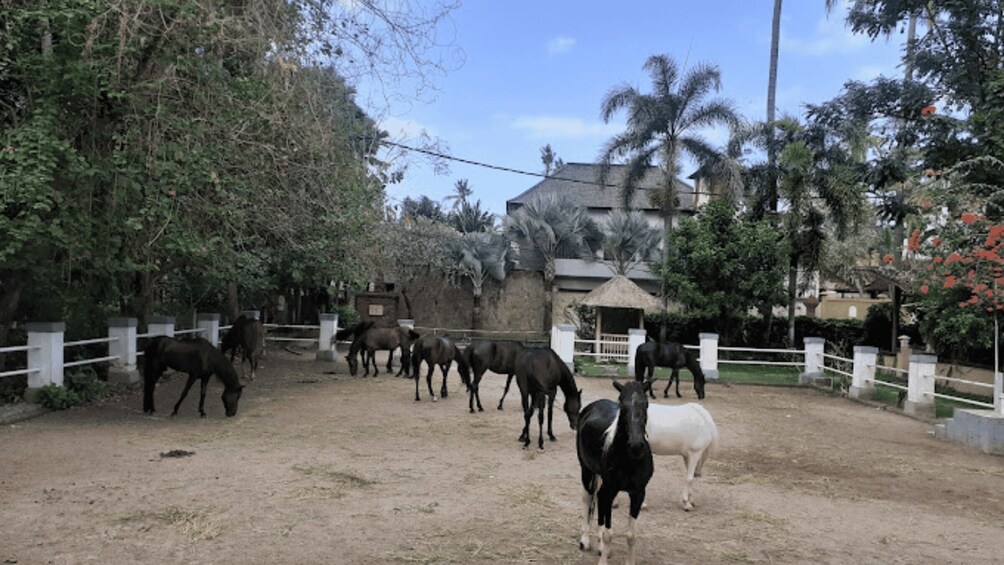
x,y
249,356
637,500
446,369
539,400
428,380
691,460
589,480
202,395
508,382
150,378
673,375
184,393
606,500
417,381
550,417
390,359
676,375
650,380
527,413
472,393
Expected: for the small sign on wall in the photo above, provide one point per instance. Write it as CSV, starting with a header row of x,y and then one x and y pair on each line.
x,y
375,310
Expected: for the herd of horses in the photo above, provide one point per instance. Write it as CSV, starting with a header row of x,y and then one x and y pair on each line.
x,y
615,440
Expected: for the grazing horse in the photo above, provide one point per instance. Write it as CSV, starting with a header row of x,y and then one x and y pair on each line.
x,y
652,354
614,456
495,356
373,339
539,373
438,350
686,430
248,335
199,359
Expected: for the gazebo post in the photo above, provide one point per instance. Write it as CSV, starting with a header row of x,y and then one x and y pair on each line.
x,y
596,336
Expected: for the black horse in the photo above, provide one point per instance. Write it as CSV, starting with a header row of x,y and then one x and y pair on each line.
x,y
539,374
371,340
652,354
495,356
438,350
199,359
611,446
248,335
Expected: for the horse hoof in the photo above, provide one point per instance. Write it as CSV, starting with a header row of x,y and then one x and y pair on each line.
x,y
480,409
434,399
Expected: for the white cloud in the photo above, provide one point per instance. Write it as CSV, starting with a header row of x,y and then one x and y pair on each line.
x,y
560,44
554,127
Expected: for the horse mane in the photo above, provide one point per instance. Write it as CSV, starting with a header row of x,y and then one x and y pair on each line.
x,y
693,365
567,381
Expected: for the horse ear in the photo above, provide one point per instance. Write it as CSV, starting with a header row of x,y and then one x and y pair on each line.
x,y
618,386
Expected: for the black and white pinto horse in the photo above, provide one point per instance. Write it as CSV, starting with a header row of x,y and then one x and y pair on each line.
x,y
539,374
614,456
687,430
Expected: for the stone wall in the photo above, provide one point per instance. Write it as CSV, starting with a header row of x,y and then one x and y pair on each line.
x,y
516,304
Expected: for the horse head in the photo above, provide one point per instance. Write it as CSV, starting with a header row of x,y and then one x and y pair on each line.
x,y
633,416
573,405
231,396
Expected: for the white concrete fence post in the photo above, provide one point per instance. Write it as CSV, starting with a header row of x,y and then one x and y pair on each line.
x,y
161,325
814,347
406,323
210,326
709,355
46,354
326,350
636,338
920,388
563,343
123,370
863,377
999,392
253,314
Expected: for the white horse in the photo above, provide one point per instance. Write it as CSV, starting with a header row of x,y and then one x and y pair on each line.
x,y
686,430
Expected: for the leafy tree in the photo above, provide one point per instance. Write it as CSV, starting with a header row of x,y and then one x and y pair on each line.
x,y
477,257
628,239
550,160
470,218
720,267
553,227
424,207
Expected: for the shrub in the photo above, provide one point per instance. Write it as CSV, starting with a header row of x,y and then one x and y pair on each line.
x,y
57,397
81,386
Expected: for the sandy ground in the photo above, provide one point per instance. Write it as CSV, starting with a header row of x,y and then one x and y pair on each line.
x,y
327,468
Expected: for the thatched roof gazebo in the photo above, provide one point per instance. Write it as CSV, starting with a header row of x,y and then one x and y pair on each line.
x,y
621,292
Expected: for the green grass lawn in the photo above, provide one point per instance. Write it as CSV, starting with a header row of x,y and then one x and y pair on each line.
x,y
770,375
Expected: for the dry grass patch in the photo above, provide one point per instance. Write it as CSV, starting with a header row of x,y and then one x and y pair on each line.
x,y
335,483
193,524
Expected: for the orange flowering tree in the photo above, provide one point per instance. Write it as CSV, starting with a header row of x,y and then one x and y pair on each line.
x,y
959,268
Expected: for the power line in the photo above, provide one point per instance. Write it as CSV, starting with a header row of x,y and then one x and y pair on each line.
x,y
510,169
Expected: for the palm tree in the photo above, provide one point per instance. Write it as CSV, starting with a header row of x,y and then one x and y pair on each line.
x,y
479,256
461,192
775,38
628,239
661,129
553,226
550,159
470,218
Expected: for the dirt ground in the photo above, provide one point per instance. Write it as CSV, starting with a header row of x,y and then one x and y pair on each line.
x,y
327,468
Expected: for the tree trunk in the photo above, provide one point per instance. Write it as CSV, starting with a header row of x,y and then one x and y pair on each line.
x,y
775,37
233,301
10,298
792,295
550,274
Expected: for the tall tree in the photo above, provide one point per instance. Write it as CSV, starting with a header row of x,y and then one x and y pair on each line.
x,y
553,227
470,218
550,160
461,192
478,257
775,40
662,128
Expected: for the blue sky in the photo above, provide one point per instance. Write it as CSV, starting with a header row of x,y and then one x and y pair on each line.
x,y
536,73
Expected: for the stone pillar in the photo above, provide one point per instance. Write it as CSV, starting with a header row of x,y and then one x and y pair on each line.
x,y
863,379
903,358
919,399
123,370
210,326
709,355
406,323
998,392
326,350
46,354
563,343
253,314
636,337
161,325
814,347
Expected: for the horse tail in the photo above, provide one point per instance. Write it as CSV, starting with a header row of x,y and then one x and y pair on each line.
x,y
463,365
